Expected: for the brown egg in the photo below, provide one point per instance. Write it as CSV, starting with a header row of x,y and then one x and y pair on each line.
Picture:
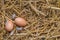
x,y
9,25
20,21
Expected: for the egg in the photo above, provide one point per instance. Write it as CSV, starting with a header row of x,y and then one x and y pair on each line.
x,y
9,25
20,21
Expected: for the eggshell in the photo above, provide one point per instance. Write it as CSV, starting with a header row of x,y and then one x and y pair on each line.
x,y
20,21
9,25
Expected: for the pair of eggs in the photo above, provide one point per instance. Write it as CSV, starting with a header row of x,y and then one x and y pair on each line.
x,y
18,21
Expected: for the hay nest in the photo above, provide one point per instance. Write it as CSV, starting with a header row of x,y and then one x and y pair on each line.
x,y
43,17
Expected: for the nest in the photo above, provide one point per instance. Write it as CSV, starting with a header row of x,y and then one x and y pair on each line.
x,y
43,17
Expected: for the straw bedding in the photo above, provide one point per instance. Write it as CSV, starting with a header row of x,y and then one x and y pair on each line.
x,y
43,17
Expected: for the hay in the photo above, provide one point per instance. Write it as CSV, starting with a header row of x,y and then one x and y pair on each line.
x,y
43,17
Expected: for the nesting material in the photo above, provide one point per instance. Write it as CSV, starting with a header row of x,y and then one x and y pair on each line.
x,y
42,16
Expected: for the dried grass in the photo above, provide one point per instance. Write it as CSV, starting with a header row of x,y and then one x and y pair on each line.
x,y
43,17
